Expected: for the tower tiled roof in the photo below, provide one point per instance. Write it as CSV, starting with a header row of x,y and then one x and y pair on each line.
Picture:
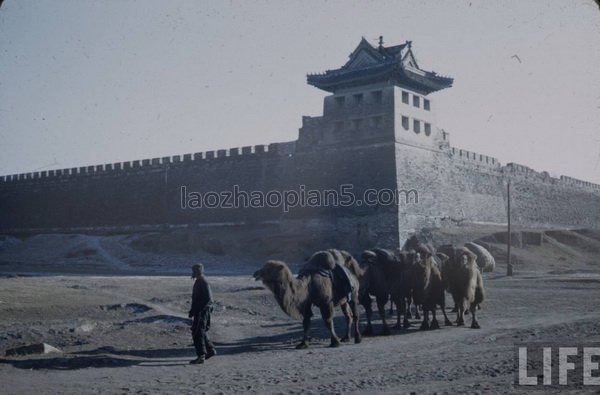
x,y
368,64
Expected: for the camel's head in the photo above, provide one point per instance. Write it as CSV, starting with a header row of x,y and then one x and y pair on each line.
x,y
409,258
443,258
465,257
271,272
422,253
368,257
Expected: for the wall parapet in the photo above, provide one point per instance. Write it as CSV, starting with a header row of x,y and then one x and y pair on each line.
x,y
473,157
284,148
518,170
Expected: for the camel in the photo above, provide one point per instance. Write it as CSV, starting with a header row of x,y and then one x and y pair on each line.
x,y
384,278
428,288
463,280
485,260
296,296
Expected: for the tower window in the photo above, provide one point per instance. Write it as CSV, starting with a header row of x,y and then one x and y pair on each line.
x,y
416,126
377,121
426,104
427,129
377,97
405,122
358,98
416,101
357,123
340,101
404,97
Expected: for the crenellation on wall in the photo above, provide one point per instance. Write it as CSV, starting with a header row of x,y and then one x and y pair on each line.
x,y
474,157
580,183
222,153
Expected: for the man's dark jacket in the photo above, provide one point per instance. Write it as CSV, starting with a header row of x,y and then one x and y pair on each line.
x,y
201,297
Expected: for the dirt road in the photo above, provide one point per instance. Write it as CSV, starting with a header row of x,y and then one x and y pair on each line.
x,y
131,335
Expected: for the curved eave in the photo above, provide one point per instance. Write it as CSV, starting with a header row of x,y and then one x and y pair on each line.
x,y
334,80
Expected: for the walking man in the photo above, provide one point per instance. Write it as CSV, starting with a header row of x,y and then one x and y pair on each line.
x,y
201,308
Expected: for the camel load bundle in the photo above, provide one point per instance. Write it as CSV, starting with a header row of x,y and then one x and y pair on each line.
x,y
485,260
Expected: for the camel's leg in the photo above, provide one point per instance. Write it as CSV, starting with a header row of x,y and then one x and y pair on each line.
x,y
417,316
447,321
366,302
434,322
457,307
327,314
381,301
398,315
354,311
306,328
406,312
397,301
474,323
348,315
425,323
461,314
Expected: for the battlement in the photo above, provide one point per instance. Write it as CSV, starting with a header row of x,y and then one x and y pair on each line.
x,y
580,183
522,171
473,157
285,148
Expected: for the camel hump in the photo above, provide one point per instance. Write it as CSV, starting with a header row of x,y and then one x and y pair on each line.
x,y
331,264
385,256
322,260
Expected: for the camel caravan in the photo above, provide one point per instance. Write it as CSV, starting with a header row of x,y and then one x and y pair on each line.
x,y
417,276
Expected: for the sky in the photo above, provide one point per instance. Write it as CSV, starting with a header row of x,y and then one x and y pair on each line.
x,y
92,82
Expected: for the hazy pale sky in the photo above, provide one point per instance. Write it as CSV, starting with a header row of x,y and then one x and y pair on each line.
x,y
91,82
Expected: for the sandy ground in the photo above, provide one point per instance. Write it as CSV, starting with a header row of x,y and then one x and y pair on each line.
x,y
129,333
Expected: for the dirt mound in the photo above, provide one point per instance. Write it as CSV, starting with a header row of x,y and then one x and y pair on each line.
x,y
135,308
7,242
575,240
590,233
81,252
178,243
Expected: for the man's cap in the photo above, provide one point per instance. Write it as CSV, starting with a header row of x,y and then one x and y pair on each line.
x,y
197,270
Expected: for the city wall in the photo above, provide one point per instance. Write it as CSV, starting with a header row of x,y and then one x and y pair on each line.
x,y
146,194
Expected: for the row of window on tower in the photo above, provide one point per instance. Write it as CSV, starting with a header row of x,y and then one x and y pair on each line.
x,y
416,101
376,97
358,123
416,125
